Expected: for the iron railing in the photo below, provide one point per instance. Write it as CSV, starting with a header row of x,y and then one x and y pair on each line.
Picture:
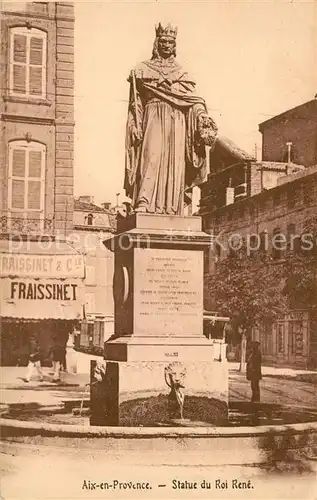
x,y
12,225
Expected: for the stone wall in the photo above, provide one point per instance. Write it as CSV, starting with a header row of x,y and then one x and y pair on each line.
x,y
289,203
299,126
64,115
48,120
288,207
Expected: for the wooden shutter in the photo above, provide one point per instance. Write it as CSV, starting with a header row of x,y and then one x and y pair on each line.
x,y
90,302
18,163
19,64
18,192
34,195
36,66
18,178
28,62
90,275
35,163
35,187
27,176
36,51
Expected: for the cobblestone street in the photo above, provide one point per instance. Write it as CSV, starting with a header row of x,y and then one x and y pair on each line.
x,y
284,386
275,389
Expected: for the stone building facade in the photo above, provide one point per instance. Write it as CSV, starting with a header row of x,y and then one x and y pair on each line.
x,y
92,226
293,133
263,200
278,199
241,180
41,275
37,115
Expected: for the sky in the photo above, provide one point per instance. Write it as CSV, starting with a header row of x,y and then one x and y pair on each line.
x,y
251,60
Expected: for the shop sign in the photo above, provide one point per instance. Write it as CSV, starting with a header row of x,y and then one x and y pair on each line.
x,y
41,298
24,290
42,266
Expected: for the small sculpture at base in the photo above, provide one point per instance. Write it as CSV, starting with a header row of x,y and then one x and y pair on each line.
x,y
174,377
99,372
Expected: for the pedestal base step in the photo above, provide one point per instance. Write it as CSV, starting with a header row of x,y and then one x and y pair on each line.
x,y
165,349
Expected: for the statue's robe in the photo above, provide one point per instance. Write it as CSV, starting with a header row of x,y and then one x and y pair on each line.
x,y
170,159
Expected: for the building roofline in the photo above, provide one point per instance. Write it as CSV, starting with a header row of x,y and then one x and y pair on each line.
x,y
84,206
241,163
259,195
262,125
301,174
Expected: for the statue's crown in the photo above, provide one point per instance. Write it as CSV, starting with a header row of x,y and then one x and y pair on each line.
x,y
169,30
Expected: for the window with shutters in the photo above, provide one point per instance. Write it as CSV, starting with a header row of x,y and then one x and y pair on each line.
x,y
26,180
90,275
28,62
90,302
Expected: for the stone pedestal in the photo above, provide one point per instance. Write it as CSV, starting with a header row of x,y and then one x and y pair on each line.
x,y
158,291
136,394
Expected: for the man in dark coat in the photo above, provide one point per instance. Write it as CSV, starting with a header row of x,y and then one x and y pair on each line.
x,y
254,371
58,355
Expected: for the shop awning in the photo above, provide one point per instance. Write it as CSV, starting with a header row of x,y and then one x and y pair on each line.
x,y
40,259
41,298
46,247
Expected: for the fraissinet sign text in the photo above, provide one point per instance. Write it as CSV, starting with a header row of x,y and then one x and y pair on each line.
x,y
40,291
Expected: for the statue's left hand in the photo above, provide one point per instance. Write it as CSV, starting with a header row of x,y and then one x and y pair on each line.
x,y
207,129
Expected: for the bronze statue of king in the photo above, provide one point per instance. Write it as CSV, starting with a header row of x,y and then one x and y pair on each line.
x,y
168,129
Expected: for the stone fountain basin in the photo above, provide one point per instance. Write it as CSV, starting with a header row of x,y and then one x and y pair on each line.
x,y
190,445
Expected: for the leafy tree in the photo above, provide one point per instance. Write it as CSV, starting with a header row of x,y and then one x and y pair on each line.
x,y
251,288
300,269
248,289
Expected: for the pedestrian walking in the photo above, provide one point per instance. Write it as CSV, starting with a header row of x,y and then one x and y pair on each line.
x,y
71,357
34,361
64,340
254,374
64,363
58,357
